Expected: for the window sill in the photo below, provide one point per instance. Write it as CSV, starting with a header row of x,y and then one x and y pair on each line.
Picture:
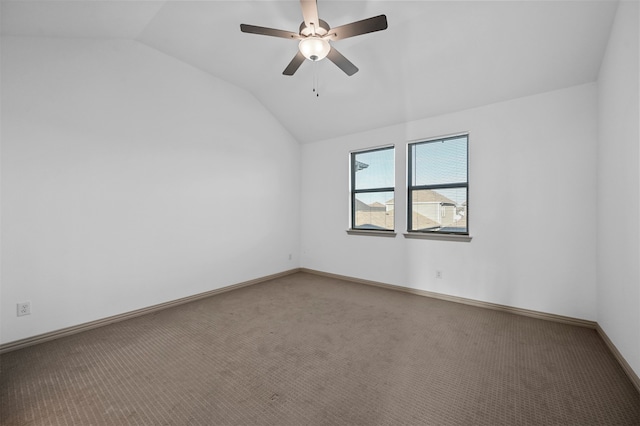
x,y
371,233
436,236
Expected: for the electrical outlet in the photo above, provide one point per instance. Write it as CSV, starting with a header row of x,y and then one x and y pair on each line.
x,y
24,308
289,256
439,275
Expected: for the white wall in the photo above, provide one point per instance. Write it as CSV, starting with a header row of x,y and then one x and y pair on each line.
x,y
130,179
534,157
619,185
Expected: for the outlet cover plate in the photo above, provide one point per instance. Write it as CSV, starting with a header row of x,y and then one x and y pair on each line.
x,y
24,308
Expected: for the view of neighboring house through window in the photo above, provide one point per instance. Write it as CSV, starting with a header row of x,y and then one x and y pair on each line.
x,y
438,186
372,186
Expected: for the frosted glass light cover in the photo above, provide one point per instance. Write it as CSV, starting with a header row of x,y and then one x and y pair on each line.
x,y
314,48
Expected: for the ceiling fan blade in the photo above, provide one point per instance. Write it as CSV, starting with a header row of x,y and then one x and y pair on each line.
x,y
369,25
253,29
310,13
343,63
294,64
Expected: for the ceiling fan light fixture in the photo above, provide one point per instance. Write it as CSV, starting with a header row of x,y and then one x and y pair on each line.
x,y
314,48
314,35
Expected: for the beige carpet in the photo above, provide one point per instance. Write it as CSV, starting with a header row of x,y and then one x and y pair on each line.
x,y
309,350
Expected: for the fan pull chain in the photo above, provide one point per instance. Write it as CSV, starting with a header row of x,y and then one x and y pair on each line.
x,y
315,79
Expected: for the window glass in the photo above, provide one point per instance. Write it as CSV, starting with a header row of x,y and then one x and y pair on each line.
x,y
440,162
438,186
374,210
374,169
372,189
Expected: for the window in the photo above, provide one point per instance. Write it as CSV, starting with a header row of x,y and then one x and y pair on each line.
x,y
372,186
438,186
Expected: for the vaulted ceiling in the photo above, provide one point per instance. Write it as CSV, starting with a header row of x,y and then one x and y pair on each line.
x,y
436,56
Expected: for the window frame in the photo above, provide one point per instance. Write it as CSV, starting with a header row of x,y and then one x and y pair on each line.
x,y
353,230
435,234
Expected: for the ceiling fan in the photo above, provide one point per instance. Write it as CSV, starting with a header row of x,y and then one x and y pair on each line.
x,y
315,34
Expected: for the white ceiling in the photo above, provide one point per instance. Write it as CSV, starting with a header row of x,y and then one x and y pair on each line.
x,y
435,57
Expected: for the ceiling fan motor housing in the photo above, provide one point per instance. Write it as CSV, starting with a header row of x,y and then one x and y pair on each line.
x,y
320,30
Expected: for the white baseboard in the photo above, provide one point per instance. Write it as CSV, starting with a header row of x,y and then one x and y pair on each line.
x,y
41,338
623,362
518,311
456,299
